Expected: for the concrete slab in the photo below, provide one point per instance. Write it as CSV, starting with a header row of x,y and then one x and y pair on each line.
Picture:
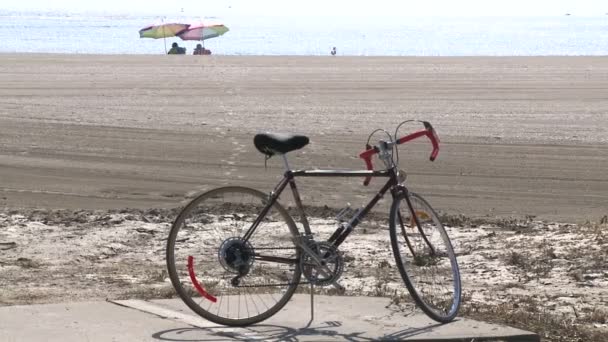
x,y
84,321
336,319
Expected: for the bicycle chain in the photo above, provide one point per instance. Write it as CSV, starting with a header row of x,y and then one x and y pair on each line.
x,y
256,248
273,285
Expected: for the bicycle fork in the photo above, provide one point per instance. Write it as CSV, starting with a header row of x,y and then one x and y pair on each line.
x,y
416,220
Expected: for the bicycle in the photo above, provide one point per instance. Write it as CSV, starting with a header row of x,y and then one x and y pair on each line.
x,y
235,255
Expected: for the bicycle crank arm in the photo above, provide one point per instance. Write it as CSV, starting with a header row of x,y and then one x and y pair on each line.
x,y
321,267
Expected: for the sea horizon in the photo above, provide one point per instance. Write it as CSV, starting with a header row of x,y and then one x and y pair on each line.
x,y
117,33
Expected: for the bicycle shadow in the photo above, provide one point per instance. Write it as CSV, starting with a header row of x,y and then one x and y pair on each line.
x,y
268,332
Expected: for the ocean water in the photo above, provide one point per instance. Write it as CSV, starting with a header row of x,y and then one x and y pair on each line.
x,y
355,36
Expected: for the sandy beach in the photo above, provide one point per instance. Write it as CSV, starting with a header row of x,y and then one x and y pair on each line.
x,y
520,136
98,152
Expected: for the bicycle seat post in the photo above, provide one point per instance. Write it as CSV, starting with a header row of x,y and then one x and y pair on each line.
x,y
285,162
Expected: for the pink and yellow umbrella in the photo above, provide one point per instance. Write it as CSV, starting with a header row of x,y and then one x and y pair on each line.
x,y
202,31
162,31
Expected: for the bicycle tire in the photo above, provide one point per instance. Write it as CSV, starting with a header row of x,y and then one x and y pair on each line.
x,y
205,252
431,274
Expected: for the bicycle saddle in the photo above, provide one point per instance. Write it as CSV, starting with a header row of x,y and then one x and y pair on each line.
x,y
271,144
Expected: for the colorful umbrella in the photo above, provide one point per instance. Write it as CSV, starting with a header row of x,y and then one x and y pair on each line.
x,y
162,31
202,31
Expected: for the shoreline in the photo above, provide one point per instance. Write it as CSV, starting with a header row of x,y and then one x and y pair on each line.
x,y
306,56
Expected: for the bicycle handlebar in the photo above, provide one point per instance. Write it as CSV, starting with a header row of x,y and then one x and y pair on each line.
x,y
429,132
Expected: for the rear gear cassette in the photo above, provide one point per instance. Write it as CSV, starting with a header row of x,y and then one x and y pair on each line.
x,y
330,256
236,255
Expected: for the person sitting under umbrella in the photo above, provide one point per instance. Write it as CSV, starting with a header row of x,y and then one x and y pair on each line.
x,y
176,50
200,50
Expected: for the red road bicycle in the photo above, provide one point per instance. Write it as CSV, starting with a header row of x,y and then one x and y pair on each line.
x,y
236,256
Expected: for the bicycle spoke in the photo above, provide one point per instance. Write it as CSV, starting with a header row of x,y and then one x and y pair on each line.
x,y
262,271
425,257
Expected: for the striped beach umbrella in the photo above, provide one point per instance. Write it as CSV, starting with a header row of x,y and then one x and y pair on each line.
x,y
202,31
162,31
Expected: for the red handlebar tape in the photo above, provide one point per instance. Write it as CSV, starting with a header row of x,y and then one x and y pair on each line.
x,y
370,151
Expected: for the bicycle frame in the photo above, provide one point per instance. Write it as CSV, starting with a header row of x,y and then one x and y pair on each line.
x,y
299,257
342,231
393,184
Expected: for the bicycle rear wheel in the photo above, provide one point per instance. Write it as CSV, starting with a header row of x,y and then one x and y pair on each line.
x,y
222,275
425,257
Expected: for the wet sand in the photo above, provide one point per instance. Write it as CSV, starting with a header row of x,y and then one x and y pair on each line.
x,y
520,136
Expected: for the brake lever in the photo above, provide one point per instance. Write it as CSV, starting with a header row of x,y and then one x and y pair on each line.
x,y
428,126
434,139
368,164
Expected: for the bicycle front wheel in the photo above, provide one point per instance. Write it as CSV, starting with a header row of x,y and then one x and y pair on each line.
x,y
222,273
425,257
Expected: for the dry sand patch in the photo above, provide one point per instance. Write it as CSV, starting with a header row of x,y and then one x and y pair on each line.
x,y
58,256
